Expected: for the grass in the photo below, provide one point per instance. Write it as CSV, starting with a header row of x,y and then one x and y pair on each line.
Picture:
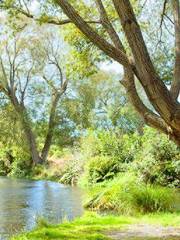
x,y
164,219
93,226
125,194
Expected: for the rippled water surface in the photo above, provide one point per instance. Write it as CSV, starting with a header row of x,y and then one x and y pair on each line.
x,y
23,201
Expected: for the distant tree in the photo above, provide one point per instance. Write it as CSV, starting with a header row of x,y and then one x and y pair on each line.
x,y
98,102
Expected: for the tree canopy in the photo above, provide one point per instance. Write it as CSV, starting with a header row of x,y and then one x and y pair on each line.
x,y
123,33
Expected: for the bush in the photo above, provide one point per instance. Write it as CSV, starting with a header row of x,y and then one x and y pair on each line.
x,y
117,146
71,172
4,169
105,154
101,168
20,168
158,160
21,164
56,151
15,159
125,194
107,143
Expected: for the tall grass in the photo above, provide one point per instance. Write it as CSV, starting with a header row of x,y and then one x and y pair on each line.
x,y
126,195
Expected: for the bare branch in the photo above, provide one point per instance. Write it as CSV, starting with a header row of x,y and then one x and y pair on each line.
x,y
161,24
28,77
50,83
49,19
108,26
163,13
4,81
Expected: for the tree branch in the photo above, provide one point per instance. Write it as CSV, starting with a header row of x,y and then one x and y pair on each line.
x,y
154,87
26,84
49,19
175,87
57,93
108,26
90,33
4,80
149,117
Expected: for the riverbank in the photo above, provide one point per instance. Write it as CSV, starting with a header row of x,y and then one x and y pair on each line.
x,y
95,227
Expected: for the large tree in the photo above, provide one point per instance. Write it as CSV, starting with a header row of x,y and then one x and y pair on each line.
x,y
108,34
27,70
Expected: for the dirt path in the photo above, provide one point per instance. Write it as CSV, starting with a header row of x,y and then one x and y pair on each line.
x,y
145,231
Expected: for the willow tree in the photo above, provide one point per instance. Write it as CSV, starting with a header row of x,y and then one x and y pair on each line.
x,y
108,34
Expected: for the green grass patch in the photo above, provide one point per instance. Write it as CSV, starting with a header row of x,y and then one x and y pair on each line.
x,y
164,219
93,226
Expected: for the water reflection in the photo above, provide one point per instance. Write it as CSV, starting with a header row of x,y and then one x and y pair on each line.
x,y
22,201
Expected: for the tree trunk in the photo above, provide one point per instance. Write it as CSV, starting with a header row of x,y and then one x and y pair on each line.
x,y
32,143
26,125
52,123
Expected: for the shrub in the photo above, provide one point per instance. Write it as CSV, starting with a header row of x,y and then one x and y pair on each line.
x,y
109,143
101,168
22,163
56,151
158,160
117,146
15,160
125,194
88,145
71,172
105,154
4,169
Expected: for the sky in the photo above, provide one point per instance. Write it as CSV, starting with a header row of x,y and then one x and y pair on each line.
x,y
34,6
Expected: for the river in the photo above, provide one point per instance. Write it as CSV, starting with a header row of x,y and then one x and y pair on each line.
x,y
22,202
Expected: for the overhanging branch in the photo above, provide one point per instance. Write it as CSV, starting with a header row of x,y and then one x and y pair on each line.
x,y
175,87
93,36
47,19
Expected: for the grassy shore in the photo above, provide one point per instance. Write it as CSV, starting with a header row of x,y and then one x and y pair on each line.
x,y
94,227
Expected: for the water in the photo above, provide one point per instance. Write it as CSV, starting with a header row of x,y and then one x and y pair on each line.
x,y
23,201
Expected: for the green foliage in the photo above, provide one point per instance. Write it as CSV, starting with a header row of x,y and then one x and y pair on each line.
x,y
158,160
116,145
5,163
147,159
14,161
106,153
101,168
151,156
22,163
14,155
46,172
71,171
126,194
56,151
